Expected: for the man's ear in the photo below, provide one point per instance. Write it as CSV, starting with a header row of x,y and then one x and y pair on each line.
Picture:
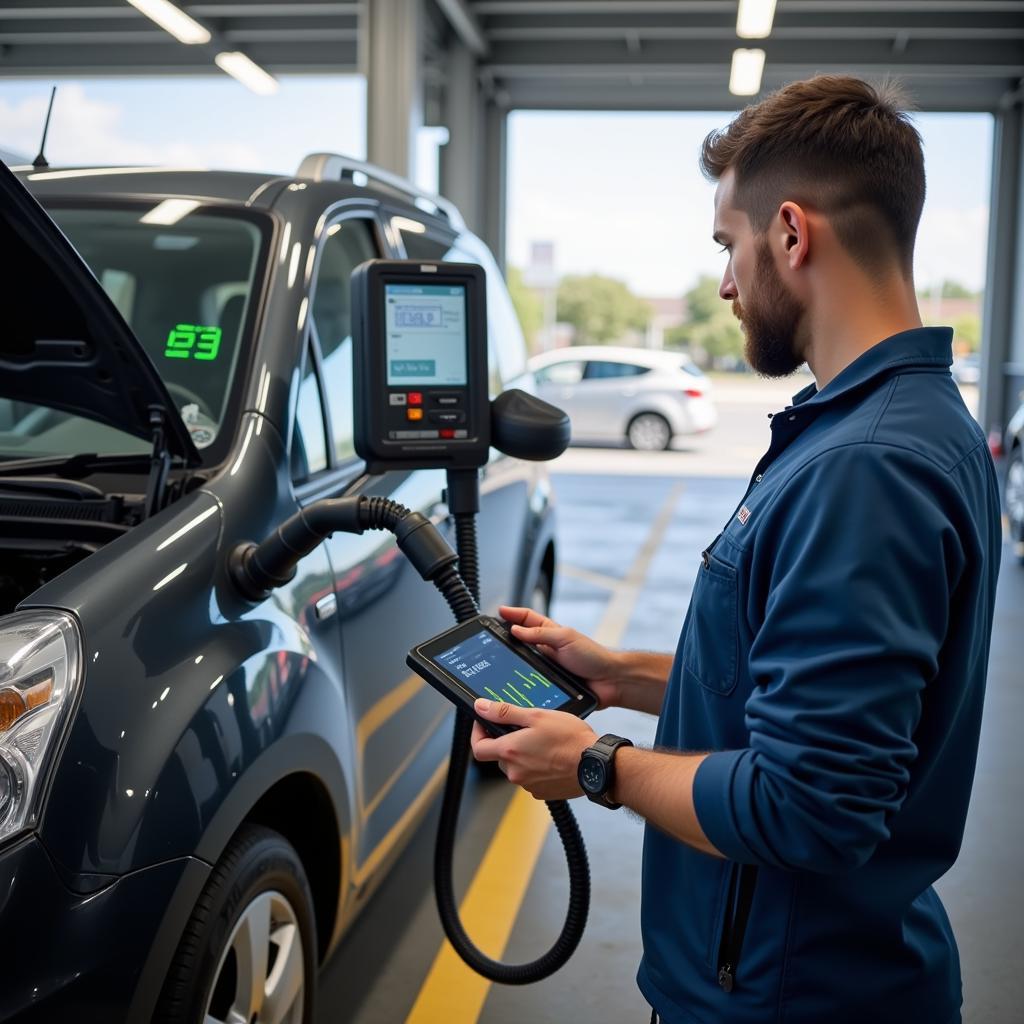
x,y
795,234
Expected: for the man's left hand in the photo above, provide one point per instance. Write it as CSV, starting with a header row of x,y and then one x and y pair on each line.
x,y
542,755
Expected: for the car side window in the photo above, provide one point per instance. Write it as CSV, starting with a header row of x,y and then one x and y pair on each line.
x,y
569,372
309,438
600,369
349,242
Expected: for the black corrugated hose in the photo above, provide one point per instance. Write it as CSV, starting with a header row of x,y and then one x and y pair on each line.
x,y
565,822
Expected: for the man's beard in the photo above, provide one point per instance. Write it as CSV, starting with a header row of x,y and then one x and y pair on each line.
x,y
771,320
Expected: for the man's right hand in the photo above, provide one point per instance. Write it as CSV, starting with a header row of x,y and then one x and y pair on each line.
x,y
596,665
618,679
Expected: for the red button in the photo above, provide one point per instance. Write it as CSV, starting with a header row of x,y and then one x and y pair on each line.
x,y
447,433
415,398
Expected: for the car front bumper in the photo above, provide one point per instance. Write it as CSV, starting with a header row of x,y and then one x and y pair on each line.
x,y
78,957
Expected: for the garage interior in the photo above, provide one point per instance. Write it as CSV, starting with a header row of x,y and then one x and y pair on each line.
x,y
630,529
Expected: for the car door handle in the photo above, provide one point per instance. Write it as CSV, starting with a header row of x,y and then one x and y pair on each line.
x,y
326,606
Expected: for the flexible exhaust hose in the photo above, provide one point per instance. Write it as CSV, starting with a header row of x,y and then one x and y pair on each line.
x,y
565,822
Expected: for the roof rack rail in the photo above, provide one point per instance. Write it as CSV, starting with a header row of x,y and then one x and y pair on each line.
x,y
335,167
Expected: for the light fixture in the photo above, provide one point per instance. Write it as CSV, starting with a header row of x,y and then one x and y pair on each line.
x,y
754,19
745,76
251,75
168,212
172,19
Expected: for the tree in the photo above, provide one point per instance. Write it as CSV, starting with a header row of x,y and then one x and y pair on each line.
x,y
601,309
967,331
528,305
948,290
712,333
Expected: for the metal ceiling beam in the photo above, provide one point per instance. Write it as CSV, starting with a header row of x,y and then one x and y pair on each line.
x,y
582,7
465,24
586,33
284,9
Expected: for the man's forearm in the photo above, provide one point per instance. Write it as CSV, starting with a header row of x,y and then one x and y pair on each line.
x,y
642,680
659,787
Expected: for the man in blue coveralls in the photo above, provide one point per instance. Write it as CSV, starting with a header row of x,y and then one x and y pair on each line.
x,y
819,723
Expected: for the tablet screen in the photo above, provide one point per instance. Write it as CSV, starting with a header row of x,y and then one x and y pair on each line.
x,y
490,669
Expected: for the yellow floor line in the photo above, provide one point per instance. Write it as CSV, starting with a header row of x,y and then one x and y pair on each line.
x,y
452,993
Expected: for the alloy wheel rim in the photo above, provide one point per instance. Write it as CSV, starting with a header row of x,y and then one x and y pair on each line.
x,y
1015,492
648,433
261,975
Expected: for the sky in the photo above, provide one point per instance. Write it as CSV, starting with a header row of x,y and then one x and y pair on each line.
x,y
617,193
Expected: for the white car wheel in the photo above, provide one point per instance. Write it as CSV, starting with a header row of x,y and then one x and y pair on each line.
x,y
649,432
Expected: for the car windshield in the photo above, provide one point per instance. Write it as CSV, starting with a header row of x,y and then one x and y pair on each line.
x,y
183,279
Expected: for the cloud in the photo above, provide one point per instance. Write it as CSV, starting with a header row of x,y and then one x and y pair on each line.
x,y
86,131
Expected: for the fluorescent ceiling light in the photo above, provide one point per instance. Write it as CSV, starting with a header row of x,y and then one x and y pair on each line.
x,y
754,19
170,211
745,77
251,75
172,19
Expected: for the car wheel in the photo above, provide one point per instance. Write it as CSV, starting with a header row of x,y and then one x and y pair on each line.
x,y
1014,497
649,432
248,950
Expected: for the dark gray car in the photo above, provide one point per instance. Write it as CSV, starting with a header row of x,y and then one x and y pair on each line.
x,y
197,796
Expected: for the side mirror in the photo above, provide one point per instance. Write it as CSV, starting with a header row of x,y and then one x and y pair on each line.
x,y
526,427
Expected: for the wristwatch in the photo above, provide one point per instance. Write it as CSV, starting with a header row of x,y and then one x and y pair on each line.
x,y
596,771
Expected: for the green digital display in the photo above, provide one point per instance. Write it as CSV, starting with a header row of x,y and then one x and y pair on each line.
x,y
193,341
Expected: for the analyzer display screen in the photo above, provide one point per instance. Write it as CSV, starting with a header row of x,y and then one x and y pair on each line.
x,y
490,669
426,334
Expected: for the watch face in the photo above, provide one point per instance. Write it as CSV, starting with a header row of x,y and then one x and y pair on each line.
x,y
592,774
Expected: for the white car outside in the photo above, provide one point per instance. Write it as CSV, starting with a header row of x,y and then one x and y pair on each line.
x,y
644,396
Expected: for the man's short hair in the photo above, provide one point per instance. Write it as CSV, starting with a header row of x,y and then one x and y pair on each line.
x,y
837,144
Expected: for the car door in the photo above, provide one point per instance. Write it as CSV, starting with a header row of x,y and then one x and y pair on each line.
x,y
382,605
606,394
559,384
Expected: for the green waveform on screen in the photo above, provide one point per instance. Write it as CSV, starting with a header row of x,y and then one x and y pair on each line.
x,y
513,694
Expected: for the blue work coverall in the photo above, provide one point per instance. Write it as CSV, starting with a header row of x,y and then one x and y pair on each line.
x,y
833,659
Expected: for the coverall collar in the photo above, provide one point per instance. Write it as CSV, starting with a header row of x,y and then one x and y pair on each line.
x,y
920,346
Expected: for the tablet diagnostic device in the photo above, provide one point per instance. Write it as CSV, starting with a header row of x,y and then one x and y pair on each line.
x,y
480,658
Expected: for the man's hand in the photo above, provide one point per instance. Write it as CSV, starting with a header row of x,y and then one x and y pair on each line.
x,y
586,658
618,679
542,755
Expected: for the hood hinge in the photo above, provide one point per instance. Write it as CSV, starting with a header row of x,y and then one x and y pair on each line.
x,y
159,462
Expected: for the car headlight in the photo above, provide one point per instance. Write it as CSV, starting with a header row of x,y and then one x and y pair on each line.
x,y
40,672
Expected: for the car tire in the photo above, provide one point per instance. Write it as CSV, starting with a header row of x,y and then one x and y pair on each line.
x,y
257,888
649,432
1013,496
540,596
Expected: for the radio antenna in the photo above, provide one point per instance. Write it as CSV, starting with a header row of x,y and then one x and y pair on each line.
x,y
40,160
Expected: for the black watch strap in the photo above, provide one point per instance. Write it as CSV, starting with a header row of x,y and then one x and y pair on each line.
x,y
605,748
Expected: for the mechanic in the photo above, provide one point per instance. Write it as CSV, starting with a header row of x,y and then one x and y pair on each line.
x,y
819,723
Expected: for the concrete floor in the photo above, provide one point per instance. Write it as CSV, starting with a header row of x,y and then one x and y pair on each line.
x,y
629,550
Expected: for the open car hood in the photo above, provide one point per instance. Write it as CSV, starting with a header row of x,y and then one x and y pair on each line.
x,y
65,345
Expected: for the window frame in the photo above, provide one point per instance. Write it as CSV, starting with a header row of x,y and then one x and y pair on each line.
x,y
339,472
